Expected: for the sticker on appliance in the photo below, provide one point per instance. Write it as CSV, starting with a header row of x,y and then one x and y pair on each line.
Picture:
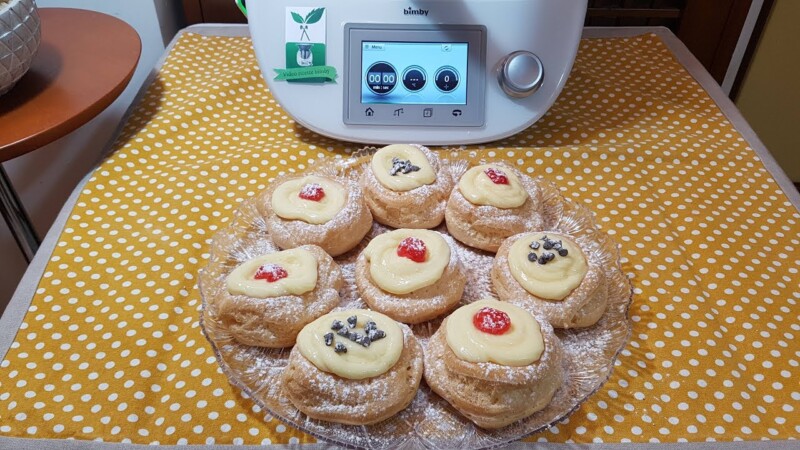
x,y
305,47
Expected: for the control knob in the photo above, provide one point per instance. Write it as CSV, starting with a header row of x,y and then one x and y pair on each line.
x,y
521,74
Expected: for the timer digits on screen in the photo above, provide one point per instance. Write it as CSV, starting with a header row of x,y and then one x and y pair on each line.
x,y
381,78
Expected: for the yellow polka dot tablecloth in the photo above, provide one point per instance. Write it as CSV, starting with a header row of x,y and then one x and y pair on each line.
x,y
110,348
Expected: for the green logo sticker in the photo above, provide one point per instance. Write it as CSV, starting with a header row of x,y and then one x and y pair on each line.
x,y
305,47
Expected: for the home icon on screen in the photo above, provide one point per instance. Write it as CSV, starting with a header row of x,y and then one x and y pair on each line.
x,y
369,112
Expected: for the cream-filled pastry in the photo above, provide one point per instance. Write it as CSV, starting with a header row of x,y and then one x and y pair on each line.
x,y
406,186
491,202
548,272
410,275
265,301
326,211
494,362
349,352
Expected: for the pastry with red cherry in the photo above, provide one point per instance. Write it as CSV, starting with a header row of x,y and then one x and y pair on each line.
x,y
552,274
267,300
355,367
410,275
320,210
494,362
490,203
407,186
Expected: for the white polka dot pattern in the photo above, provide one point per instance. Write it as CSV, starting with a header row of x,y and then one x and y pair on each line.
x,y
111,347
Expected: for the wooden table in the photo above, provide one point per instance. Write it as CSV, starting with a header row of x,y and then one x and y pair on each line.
x,y
84,62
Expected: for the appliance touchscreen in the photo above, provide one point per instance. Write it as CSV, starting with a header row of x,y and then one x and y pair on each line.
x,y
414,73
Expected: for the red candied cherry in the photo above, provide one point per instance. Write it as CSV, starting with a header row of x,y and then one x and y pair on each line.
x,y
497,176
271,273
413,249
492,321
312,191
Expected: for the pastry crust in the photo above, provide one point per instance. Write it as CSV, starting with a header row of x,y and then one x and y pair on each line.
x,y
325,396
423,304
336,236
492,395
583,307
422,207
485,227
275,321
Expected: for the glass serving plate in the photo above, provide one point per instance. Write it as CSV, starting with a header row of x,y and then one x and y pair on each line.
x,y
429,422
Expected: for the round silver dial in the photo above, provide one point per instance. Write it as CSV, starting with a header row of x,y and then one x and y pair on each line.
x,y
521,74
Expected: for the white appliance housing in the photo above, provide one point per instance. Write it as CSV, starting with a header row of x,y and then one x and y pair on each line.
x,y
511,93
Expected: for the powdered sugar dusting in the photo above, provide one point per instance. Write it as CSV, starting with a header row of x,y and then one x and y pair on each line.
x,y
429,421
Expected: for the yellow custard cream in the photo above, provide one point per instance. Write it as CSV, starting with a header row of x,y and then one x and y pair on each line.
x,y
344,352
553,279
287,203
521,345
400,275
301,275
402,167
479,189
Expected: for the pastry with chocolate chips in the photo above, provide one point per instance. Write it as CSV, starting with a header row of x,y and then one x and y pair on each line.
x,y
554,275
355,367
406,186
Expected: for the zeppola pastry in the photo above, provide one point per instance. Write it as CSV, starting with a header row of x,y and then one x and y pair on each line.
x,y
410,275
490,203
550,274
324,211
406,186
267,300
355,367
494,362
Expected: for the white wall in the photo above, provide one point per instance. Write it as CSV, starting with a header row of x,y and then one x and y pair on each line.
x,y
45,178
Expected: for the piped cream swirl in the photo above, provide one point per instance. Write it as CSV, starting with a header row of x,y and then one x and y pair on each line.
x,y
479,189
521,345
358,362
400,275
551,281
400,182
299,264
287,204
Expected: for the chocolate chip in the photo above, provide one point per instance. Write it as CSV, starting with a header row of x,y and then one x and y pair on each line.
x,y
543,259
557,245
548,245
364,340
370,325
337,325
532,257
395,167
353,321
403,166
535,245
340,348
375,335
563,252
344,332
328,339
550,256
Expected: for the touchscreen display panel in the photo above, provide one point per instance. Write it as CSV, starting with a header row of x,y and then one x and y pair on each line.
x,y
414,73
